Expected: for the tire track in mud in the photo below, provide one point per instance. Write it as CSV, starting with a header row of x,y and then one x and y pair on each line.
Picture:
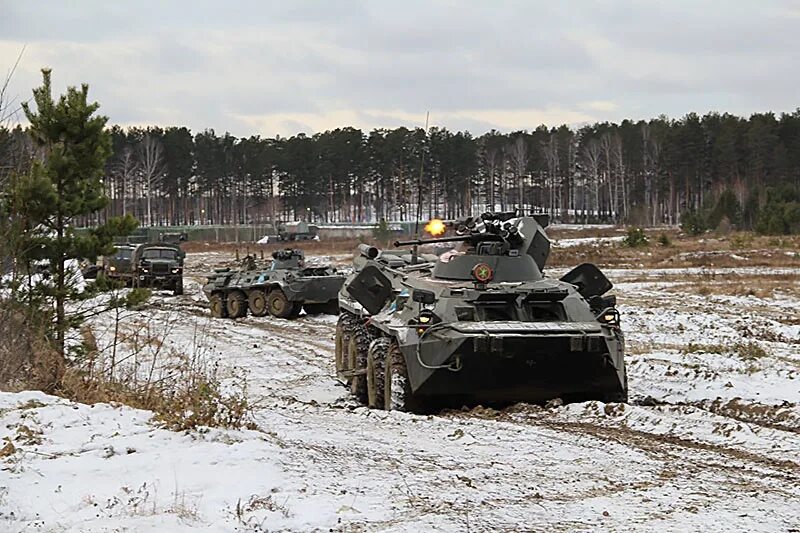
x,y
782,416
301,339
669,449
294,330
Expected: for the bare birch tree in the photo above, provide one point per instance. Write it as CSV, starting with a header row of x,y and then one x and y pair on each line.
x,y
490,158
619,162
518,155
550,153
151,167
125,170
591,159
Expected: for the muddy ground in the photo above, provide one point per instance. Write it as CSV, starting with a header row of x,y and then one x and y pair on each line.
x,y
710,439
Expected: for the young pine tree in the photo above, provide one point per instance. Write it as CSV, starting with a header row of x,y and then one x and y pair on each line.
x,y
65,183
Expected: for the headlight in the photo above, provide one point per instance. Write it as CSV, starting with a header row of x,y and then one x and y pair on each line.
x,y
145,270
112,269
176,270
427,318
609,317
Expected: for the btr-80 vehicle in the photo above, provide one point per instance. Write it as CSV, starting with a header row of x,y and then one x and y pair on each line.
x,y
479,325
282,290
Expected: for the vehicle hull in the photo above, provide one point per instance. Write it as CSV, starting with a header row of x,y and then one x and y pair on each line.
x,y
502,364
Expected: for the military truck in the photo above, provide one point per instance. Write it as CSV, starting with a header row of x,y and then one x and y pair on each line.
x,y
480,325
119,265
282,290
158,265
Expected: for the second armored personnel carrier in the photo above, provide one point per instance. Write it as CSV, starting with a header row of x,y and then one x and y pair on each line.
x,y
480,325
282,290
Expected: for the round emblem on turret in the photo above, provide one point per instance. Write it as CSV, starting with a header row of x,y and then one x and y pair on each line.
x,y
482,273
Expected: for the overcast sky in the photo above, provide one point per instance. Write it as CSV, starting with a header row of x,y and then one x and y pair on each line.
x,y
270,67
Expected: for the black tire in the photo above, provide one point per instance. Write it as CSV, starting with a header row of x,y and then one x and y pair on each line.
x,y
314,309
331,308
279,306
617,397
397,388
343,328
357,350
237,304
216,303
376,372
257,302
178,290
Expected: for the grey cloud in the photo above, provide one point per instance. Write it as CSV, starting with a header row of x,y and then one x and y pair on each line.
x,y
230,66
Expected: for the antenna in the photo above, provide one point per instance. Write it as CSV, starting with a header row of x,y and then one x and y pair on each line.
x,y
414,250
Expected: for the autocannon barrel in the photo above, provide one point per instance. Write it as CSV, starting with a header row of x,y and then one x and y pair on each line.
x,y
473,238
370,252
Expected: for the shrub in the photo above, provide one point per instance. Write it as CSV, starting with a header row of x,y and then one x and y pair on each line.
x,y
382,232
727,207
781,214
694,223
636,237
664,240
28,356
105,284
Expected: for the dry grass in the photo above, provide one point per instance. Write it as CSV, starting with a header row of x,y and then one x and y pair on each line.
x,y
735,250
184,391
735,284
28,359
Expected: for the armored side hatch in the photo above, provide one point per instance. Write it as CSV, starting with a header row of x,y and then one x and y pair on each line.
x,y
371,289
588,279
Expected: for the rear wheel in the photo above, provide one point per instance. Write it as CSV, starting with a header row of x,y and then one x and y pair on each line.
x,y
216,303
376,372
279,306
257,302
237,304
397,387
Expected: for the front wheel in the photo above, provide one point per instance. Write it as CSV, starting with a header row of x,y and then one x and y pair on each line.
x,y
397,387
178,290
376,372
279,304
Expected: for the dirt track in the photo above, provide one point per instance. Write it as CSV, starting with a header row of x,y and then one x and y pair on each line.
x,y
710,440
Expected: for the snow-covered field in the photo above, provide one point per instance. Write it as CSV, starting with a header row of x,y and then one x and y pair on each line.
x,y
709,442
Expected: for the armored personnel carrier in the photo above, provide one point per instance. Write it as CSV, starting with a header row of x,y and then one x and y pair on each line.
x,y
282,290
479,325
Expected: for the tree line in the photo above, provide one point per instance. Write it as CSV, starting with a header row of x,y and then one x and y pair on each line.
x,y
646,172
